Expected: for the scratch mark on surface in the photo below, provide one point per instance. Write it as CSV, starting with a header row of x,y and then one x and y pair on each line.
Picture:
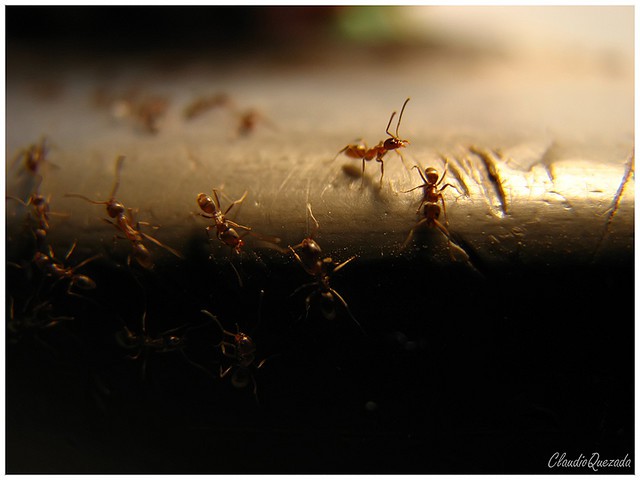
x,y
615,204
492,173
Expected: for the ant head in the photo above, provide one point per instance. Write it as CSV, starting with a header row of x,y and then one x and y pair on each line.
x,y
394,143
205,202
431,174
245,344
115,209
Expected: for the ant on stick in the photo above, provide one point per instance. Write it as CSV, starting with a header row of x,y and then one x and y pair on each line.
x,y
124,223
431,194
360,150
225,228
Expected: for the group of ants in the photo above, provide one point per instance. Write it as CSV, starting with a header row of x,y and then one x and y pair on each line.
x,y
237,347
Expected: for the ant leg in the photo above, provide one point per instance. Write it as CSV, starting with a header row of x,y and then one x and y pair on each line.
x,y
411,232
363,163
116,184
162,245
237,225
340,266
404,162
225,372
237,202
196,364
381,171
346,307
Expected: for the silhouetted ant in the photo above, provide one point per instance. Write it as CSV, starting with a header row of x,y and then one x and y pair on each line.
x,y
241,350
56,269
124,224
311,260
143,344
394,142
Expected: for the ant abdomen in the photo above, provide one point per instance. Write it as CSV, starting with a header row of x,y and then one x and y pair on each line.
x,y
432,210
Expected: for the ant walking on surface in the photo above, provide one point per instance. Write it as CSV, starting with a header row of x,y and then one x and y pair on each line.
x,y
124,223
309,255
431,195
360,149
227,230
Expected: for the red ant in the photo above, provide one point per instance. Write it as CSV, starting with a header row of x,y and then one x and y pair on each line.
x,y
57,269
360,150
124,223
241,350
431,190
310,258
225,228
432,193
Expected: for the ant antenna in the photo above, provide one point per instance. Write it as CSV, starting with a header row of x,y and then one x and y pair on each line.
x,y
119,162
400,117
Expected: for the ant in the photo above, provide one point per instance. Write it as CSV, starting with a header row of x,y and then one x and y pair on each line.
x,y
41,213
143,343
311,260
35,156
248,121
225,228
241,350
31,320
360,150
432,192
431,189
124,223
204,104
57,269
